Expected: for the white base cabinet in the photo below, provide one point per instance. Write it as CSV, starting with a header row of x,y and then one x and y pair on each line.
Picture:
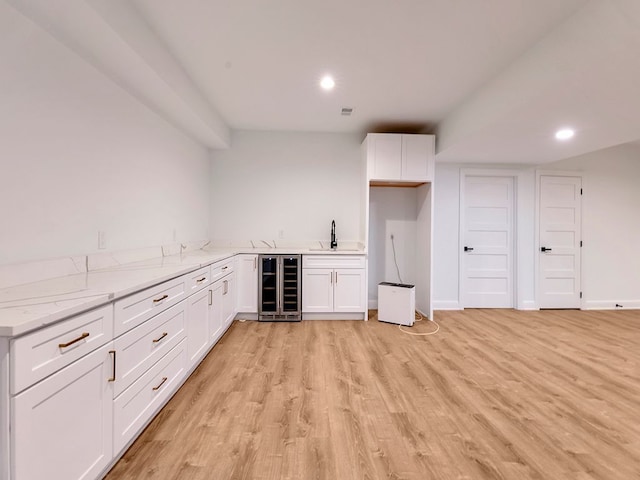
x,y
137,405
228,300
333,284
62,427
197,326
247,283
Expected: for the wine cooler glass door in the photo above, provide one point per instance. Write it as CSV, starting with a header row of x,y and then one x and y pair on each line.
x,y
269,285
290,285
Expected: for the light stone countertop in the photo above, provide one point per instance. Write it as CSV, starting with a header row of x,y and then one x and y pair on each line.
x,y
30,306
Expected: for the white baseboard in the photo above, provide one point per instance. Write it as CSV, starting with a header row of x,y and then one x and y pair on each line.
x,y
333,316
446,305
611,305
528,305
373,304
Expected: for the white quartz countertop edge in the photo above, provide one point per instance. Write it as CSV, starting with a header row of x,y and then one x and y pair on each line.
x,y
28,307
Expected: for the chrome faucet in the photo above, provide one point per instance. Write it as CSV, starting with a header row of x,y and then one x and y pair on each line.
x,y
334,241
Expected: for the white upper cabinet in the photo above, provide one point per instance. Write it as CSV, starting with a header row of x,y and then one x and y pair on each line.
x,y
395,157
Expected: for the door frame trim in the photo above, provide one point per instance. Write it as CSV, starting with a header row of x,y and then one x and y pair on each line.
x,y
536,241
517,176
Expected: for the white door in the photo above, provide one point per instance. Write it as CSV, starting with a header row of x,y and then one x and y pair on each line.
x,y
228,300
415,150
317,290
348,290
197,326
62,427
560,234
247,285
487,235
216,311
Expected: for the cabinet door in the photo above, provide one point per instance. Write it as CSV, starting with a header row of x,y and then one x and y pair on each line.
x,y
197,326
386,150
317,290
216,312
62,427
349,290
415,157
247,283
228,300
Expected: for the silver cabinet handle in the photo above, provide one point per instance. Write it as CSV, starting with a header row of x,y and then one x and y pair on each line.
x,y
210,297
113,353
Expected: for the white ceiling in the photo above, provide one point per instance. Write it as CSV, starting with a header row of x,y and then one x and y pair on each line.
x,y
493,78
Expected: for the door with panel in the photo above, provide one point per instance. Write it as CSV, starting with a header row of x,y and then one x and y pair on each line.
x,y
247,283
228,300
560,205
486,259
216,311
62,427
349,290
197,326
317,290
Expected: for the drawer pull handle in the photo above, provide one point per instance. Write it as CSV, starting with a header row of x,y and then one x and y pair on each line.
x,y
156,300
201,280
68,344
164,379
210,297
164,334
113,352
225,267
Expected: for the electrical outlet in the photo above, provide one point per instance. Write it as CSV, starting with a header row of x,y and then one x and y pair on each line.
x,y
102,241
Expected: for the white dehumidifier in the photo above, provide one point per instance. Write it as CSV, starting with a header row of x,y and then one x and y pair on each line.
x,y
396,303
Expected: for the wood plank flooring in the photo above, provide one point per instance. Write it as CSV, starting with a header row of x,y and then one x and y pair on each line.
x,y
495,394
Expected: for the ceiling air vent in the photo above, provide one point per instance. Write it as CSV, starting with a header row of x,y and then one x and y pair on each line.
x,y
346,111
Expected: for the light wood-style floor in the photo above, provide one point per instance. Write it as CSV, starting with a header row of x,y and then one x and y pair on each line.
x,y
496,394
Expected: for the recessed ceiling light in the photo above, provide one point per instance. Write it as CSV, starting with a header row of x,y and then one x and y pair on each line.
x,y
327,82
565,134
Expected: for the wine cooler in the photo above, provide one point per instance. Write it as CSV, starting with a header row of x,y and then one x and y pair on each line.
x,y
279,288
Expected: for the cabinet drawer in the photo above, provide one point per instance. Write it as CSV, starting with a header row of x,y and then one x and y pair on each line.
x,y
221,268
138,349
135,406
197,280
43,352
133,310
333,261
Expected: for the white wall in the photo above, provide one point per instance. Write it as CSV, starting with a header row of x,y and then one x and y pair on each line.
x,y
392,210
610,225
610,230
446,234
79,155
296,183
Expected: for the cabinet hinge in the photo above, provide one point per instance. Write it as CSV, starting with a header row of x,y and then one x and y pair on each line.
x,y
580,294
